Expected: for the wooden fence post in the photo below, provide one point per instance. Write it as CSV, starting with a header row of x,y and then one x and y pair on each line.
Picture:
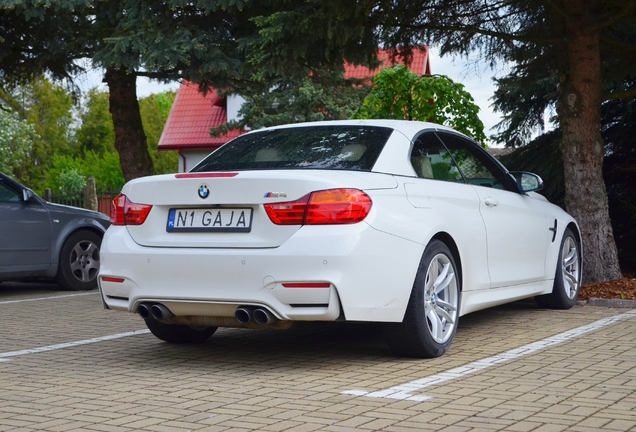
x,y
90,194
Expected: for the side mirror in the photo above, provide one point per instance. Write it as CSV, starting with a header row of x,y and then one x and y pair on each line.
x,y
527,182
27,195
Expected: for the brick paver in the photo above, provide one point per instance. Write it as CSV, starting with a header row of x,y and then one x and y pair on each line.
x,y
245,380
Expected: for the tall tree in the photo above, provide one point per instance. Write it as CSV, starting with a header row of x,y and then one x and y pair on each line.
x,y
163,40
570,36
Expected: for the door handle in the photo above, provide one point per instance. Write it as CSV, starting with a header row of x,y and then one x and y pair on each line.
x,y
491,202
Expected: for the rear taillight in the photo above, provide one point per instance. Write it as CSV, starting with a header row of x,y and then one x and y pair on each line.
x,y
333,206
288,213
125,212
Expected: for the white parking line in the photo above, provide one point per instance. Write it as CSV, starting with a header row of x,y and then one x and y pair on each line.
x,y
402,392
47,298
3,356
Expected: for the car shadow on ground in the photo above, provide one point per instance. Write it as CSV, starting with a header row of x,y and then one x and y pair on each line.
x,y
20,289
308,345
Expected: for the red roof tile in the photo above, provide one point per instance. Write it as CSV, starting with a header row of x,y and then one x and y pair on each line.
x,y
190,119
419,64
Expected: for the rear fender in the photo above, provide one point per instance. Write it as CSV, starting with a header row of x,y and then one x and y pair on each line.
x,y
61,230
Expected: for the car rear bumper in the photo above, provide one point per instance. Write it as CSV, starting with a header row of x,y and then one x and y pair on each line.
x,y
363,275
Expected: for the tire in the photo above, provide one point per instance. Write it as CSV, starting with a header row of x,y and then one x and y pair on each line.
x,y
79,261
431,318
179,334
567,279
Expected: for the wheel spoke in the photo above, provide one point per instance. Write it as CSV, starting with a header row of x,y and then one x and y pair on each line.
x,y
446,305
570,258
441,312
431,278
80,273
433,323
91,249
571,282
78,250
76,266
571,278
443,279
437,326
444,286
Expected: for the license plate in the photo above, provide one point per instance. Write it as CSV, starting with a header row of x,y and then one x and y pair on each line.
x,y
210,220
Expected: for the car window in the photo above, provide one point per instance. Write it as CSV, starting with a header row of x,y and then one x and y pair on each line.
x,y
477,167
430,159
8,195
309,147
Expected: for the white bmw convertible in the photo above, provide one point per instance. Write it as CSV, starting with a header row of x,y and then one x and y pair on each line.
x,y
404,223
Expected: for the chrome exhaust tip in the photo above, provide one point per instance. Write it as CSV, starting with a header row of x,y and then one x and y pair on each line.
x,y
243,315
160,312
263,317
144,310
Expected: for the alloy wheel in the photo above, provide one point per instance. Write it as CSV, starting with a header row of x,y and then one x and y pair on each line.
x,y
570,264
85,261
441,298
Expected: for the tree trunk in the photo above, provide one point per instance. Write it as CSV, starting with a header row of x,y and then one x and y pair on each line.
x,y
130,139
582,146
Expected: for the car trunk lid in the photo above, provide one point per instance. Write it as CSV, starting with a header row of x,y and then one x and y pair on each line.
x,y
226,210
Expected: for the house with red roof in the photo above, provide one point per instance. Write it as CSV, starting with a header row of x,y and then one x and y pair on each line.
x,y
193,114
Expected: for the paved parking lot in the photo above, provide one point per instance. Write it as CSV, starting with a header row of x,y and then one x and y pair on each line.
x,y
66,364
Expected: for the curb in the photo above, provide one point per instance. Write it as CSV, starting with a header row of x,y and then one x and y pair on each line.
x,y
617,303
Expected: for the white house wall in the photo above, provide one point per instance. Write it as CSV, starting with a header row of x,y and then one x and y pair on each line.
x,y
234,104
189,158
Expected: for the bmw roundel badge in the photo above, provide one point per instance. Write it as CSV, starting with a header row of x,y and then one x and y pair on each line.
x,y
204,191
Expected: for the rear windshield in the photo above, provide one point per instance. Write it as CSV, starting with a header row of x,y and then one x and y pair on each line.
x,y
311,147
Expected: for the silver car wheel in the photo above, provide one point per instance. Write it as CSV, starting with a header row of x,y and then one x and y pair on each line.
x,y
84,261
570,264
440,298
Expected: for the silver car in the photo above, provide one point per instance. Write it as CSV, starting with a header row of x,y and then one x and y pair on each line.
x,y
39,239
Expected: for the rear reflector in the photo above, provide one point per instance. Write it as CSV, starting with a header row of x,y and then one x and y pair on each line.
x,y
206,175
307,285
125,212
112,279
327,207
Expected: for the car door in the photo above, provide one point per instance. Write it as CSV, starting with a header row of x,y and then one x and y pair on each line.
x,y
516,228
25,233
441,189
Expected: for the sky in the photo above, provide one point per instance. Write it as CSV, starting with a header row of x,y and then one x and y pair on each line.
x,y
475,75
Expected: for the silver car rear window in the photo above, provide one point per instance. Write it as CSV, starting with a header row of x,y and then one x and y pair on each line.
x,y
310,147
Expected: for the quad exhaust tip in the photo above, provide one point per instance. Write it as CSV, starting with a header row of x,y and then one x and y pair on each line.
x,y
244,314
261,316
156,311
